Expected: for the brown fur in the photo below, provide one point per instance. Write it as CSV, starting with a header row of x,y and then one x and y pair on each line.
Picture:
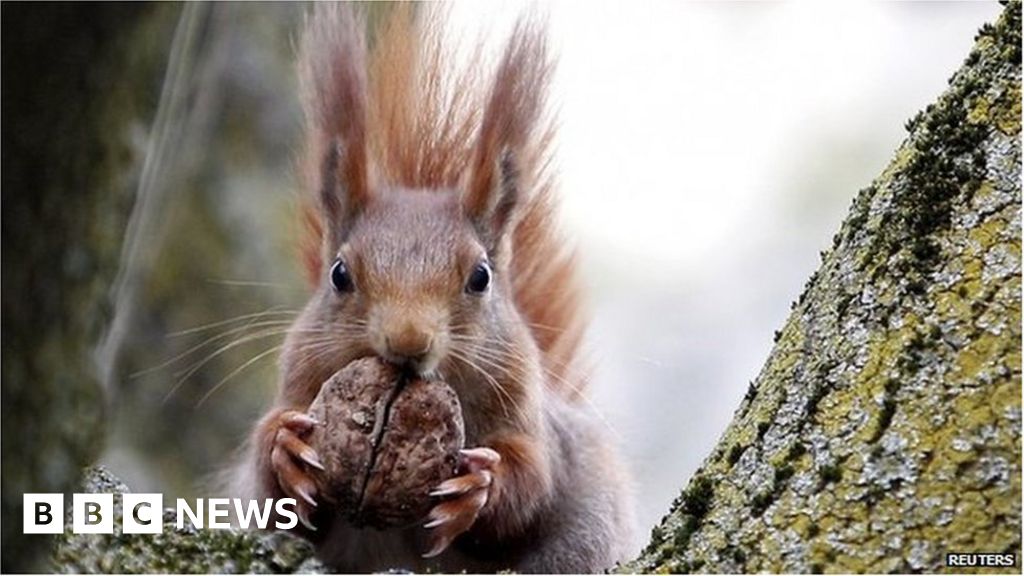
x,y
417,178
426,130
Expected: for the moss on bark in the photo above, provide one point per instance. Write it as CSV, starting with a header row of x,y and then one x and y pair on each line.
x,y
183,550
884,429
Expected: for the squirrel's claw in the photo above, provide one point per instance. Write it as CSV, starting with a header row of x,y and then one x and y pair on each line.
x,y
299,449
475,459
303,515
469,494
288,455
462,484
298,421
453,517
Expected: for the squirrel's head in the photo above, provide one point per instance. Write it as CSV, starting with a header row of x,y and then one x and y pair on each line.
x,y
420,277
419,167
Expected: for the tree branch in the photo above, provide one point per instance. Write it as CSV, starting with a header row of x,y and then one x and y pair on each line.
x,y
884,429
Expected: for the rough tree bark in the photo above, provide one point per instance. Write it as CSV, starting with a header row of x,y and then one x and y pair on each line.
x,y
185,550
884,429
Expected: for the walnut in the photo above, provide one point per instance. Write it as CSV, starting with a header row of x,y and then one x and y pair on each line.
x,y
385,440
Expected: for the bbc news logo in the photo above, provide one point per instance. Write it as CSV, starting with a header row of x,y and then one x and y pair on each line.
x,y
143,513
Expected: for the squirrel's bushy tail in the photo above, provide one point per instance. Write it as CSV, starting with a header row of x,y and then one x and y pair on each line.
x,y
395,92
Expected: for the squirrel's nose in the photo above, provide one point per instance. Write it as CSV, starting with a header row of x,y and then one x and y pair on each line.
x,y
408,346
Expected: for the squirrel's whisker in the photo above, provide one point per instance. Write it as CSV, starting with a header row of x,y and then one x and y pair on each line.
x,y
502,393
248,283
206,342
508,352
238,342
501,367
466,357
268,312
236,371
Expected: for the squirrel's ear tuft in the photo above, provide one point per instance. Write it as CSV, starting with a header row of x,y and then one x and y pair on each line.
x,y
491,203
343,190
504,161
333,88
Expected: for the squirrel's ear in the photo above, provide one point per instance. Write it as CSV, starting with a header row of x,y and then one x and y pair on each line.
x,y
343,190
490,202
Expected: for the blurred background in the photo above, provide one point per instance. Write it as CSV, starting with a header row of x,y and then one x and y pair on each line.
x,y
707,153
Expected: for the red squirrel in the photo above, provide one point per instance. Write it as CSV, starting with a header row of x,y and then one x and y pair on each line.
x,y
434,246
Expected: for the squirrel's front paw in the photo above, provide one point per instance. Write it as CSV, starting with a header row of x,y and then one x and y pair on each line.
x,y
289,455
464,495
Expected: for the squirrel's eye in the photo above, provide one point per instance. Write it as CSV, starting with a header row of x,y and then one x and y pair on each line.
x,y
340,277
479,279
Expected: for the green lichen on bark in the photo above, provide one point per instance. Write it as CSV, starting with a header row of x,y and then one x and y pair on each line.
x,y
884,429
183,550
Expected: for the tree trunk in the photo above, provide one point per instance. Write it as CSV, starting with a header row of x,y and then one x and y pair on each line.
x,y
77,79
884,429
